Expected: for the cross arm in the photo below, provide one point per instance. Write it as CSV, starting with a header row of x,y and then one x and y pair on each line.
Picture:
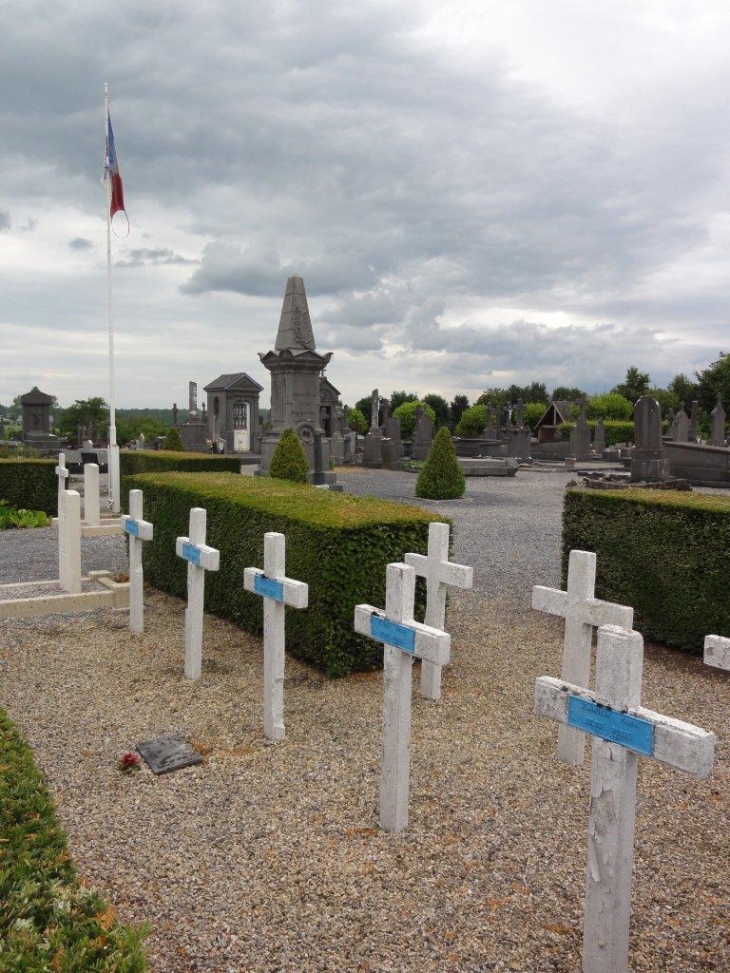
x,y
199,554
137,528
592,611
416,639
717,651
292,593
681,746
456,575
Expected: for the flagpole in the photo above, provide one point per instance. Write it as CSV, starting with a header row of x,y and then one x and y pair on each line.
x,y
113,452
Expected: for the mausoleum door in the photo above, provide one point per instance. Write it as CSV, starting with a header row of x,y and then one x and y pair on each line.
x,y
241,428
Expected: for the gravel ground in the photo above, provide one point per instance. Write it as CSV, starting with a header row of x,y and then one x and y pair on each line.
x,y
268,857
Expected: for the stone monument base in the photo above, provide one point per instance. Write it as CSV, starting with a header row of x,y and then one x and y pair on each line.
x,y
44,442
650,465
194,434
372,454
269,443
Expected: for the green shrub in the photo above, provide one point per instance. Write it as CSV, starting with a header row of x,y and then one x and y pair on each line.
x,y
30,484
406,412
289,461
47,920
667,554
133,461
339,544
534,411
21,518
441,477
173,441
472,422
357,421
610,405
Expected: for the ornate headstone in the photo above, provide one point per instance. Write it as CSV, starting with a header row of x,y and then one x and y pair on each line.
x,y
372,447
580,435
649,456
194,431
693,411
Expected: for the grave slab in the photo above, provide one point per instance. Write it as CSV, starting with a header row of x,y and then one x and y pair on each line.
x,y
168,752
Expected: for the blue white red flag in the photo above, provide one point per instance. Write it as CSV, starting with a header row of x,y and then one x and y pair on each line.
x,y
111,173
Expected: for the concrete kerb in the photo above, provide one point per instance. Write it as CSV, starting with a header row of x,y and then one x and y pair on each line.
x,y
115,594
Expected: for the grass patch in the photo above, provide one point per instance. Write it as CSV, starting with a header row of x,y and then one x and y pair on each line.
x,y
48,922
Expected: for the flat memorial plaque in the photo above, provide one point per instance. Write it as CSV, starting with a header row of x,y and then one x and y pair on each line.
x,y
168,752
268,587
609,724
131,527
191,553
393,633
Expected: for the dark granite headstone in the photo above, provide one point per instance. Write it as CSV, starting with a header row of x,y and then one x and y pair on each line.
x,y
168,752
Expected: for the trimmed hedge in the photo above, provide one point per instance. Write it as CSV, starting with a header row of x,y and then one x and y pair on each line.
x,y
616,432
47,920
667,554
132,461
339,544
30,484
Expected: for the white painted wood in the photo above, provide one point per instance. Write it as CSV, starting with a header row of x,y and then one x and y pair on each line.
x,y
144,531
717,651
296,595
209,561
63,478
582,612
428,643
676,744
439,573
92,508
69,542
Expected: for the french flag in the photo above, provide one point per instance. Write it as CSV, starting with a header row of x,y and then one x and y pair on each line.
x,y
111,172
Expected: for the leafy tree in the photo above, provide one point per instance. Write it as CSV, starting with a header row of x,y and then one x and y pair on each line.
x,y
398,398
440,407
534,411
714,381
634,385
494,398
441,477
472,422
173,441
534,392
87,415
610,405
685,389
357,421
666,399
289,461
456,409
565,394
406,412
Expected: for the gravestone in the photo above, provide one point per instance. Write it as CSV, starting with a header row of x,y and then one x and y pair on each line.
x,y
717,651
490,429
599,440
36,421
718,424
693,411
582,612
200,558
167,753
681,427
277,591
649,456
92,505
403,640
422,435
372,454
622,730
174,414
138,531
580,436
194,430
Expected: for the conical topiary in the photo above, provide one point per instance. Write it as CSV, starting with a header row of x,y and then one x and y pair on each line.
x,y
173,441
289,461
441,478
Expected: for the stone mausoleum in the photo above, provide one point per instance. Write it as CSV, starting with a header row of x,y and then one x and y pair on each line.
x,y
233,412
36,418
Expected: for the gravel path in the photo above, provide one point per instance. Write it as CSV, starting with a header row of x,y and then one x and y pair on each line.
x,y
267,857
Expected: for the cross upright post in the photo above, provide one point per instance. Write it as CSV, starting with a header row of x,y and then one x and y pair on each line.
x,y
439,572
717,651
403,639
582,613
200,558
277,591
137,530
69,541
63,473
92,507
622,729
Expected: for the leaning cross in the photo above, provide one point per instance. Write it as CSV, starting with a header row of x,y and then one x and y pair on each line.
x,y
277,591
581,611
63,474
138,530
403,639
622,729
717,651
200,558
439,572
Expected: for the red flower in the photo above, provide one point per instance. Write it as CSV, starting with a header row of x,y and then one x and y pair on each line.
x,y
130,761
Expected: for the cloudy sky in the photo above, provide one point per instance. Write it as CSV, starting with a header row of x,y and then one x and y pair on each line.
x,y
475,192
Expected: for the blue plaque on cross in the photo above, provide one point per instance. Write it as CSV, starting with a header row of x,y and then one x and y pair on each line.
x,y
191,553
268,587
393,633
131,527
609,724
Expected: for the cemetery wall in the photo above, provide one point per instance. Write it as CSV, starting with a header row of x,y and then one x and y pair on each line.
x,y
616,431
665,553
338,544
133,461
30,484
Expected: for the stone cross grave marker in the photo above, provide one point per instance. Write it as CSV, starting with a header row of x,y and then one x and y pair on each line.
x,y
717,651
200,558
622,729
404,639
63,477
69,541
92,506
439,572
277,591
137,530
582,612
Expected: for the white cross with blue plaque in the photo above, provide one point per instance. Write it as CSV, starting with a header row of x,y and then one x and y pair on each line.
x,y
403,639
717,651
582,613
200,558
277,591
137,530
622,730
439,573
63,474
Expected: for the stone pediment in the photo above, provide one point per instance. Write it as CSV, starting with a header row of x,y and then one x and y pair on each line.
x,y
234,382
327,390
36,397
300,357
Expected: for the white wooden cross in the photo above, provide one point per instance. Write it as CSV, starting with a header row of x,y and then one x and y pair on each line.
x,y
582,612
403,640
63,478
717,651
277,591
439,572
200,558
92,508
69,541
137,530
622,729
